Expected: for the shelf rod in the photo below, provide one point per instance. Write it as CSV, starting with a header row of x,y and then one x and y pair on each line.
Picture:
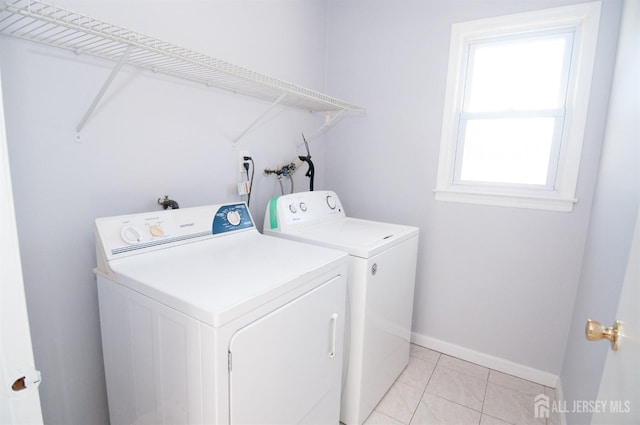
x,y
103,90
38,21
257,120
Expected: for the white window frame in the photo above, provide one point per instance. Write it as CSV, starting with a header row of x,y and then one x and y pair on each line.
x,y
559,193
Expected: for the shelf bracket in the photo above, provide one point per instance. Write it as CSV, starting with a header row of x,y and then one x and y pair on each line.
x,y
257,120
328,122
102,91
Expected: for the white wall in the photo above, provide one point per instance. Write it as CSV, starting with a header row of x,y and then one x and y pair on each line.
x,y
611,226
151,136
496,282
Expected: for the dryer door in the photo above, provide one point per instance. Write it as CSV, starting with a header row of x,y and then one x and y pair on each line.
x,y
286,367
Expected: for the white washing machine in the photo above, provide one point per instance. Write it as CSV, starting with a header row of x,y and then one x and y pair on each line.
x,y
206,321
381,280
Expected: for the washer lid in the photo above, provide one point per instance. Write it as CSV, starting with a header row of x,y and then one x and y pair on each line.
x,y
217,280
361,238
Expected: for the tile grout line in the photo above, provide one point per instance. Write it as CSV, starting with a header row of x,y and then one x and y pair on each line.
x,y
467,375
484,398
506,388
425,388
446,399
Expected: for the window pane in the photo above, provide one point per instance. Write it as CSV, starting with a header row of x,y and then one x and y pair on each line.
x,y
507,150
517,75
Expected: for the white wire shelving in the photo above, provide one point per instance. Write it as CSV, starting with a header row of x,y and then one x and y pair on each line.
x,y
51,25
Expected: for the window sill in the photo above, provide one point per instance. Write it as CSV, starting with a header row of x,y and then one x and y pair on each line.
x,y
552,201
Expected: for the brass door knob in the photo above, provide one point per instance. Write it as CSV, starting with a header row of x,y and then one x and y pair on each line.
x,y
594,331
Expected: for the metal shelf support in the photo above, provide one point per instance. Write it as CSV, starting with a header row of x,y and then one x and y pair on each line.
x,y
329,120
102,91
257,120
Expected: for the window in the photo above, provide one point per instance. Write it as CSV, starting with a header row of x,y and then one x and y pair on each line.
x,y
515,108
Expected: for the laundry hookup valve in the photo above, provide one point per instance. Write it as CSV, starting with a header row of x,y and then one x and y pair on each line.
x,y
285,170
292,167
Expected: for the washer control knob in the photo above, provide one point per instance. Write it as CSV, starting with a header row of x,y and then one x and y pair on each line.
x,y
233,217
293,208
156,230
331,202
303,206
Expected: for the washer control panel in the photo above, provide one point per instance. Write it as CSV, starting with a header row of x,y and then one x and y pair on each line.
x,y
302,208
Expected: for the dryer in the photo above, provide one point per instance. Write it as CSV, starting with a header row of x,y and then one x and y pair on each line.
x,y
206,321
381,280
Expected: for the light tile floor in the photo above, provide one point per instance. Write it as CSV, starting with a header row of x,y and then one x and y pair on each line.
x,y
436,389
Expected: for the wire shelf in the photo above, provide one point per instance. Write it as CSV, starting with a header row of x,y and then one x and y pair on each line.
x,y
48,24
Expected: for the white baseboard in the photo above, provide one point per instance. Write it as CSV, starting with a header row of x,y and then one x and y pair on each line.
x,y
561,402
496,363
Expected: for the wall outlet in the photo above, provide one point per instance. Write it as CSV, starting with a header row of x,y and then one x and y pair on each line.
x,y
241,161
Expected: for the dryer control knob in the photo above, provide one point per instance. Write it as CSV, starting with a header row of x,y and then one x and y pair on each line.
x,y
331,202
233,217
131,235
293,208
303,206
156,230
